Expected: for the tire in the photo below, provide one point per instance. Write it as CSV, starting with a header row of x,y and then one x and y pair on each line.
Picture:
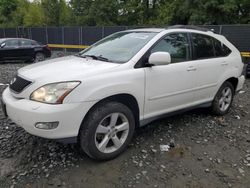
x,y
101,135
39,57
224,97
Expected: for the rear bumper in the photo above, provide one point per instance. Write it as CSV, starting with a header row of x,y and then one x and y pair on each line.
x,y
241,81
47,53
27,113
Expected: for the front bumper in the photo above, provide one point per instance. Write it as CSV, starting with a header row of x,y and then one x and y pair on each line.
x,y
27,113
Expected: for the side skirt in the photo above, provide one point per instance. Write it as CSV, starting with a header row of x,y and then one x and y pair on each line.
x,y
149,120
71,140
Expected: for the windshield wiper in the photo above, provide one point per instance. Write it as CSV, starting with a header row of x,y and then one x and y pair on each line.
x,y
77,55
95,57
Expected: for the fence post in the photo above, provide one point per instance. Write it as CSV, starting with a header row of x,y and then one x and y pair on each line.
x,y
30,33
4,35
46,31
102,31
220,30
80,35
65,50
17,36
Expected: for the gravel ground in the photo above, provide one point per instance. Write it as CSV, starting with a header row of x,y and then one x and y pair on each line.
x,y
206,151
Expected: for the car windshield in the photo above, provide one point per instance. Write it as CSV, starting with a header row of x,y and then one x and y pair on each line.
x,y
119,47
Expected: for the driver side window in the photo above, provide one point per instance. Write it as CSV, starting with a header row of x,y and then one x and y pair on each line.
x,y
11,43
176,44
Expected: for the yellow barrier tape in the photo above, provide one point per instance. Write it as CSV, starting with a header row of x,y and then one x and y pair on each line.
x,y
245,54
67,46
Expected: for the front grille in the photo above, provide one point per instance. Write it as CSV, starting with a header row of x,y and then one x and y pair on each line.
x,y
19,84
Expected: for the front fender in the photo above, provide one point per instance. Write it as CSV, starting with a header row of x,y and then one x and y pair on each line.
x,y
103,86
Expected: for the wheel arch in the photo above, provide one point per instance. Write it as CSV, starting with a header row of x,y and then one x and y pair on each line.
x,y
126,99
39,51
234,81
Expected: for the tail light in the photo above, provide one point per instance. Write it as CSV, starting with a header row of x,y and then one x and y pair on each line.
x,y
47,46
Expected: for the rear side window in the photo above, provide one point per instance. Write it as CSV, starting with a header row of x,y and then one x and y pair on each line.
x,y
25,43
202,46
176,44
35,43
221,50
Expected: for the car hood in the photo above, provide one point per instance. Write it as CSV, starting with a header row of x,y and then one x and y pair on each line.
x,y
66,68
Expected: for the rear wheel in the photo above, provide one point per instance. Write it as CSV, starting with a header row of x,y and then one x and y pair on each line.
x,y
223,99
107,131
39,57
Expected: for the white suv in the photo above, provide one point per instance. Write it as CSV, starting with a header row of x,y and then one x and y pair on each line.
x,y
99,96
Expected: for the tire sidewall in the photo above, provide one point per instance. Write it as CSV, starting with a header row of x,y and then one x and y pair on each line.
x,y
39,53
87,133
215,105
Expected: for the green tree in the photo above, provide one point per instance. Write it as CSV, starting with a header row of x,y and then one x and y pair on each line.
x,y
64,13
56,12
138,12
100,12
122,12
7,7
19,14
203,12
80,12
51,9
35,15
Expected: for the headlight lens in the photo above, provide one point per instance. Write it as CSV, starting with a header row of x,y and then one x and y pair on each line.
x,y
53,93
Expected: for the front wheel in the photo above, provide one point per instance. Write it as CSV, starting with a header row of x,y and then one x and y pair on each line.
x,y
107,131
223,99
39,57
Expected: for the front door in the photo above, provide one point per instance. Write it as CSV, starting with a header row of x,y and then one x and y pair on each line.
x,y
10,50
170,87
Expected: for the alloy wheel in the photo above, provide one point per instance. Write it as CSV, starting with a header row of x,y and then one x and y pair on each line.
x,y
225,99
112,132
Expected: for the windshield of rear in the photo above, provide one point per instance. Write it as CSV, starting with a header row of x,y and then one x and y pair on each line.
x,y
119,47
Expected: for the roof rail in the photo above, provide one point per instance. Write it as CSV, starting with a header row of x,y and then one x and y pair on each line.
x,y
189,27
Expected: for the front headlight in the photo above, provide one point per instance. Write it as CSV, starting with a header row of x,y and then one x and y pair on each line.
x,y
53,93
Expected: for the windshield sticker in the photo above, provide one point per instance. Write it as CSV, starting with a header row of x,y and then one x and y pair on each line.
x,y
143,37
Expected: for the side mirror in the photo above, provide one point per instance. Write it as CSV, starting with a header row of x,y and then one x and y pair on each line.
x,y
159,58
2,45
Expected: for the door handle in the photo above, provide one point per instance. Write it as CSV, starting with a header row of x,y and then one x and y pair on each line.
x,y
224,63
191,68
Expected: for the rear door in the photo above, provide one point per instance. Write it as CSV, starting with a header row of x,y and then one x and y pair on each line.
x,y
210,65
26,48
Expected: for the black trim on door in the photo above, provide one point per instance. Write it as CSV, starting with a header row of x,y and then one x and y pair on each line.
x,y
191,49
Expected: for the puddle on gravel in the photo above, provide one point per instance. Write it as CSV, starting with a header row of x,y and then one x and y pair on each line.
x,y
177,151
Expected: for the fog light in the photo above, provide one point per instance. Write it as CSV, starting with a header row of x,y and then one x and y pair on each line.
x,y
47,125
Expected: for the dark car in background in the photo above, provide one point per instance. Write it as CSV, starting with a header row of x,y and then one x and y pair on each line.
x,y
21,49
